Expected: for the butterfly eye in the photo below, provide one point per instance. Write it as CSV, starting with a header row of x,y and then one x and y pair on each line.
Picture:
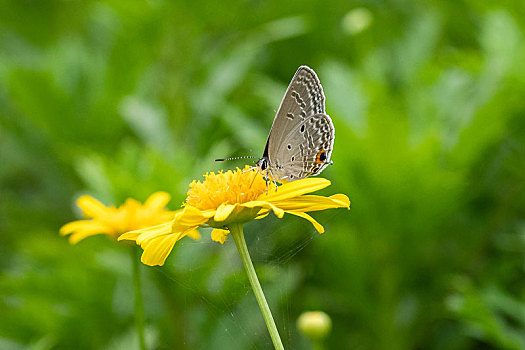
x,y
262,163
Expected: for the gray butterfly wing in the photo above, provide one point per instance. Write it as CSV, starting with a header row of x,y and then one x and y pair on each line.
x,y
303,98
306,150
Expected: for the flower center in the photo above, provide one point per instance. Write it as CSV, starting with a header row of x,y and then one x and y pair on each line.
x,y
225,187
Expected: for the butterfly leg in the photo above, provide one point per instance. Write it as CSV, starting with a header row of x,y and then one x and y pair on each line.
x,y
274,182
266,179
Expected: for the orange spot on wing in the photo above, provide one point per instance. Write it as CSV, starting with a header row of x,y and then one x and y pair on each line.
x,y
318,157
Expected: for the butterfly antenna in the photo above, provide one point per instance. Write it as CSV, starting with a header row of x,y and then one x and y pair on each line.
x,y
233,158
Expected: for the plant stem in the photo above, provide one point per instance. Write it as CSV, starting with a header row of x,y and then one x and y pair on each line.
x,y
238,236
139,303
317,345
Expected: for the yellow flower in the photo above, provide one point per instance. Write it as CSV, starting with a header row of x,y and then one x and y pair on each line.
x,y
132,215
232,197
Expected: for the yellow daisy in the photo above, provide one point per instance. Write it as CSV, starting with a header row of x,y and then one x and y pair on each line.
x,y
231,198
132,215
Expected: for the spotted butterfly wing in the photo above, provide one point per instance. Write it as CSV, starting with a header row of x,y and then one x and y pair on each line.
x,y
306,150
301,138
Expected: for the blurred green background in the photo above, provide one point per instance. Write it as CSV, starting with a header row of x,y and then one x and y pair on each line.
x,y
122,98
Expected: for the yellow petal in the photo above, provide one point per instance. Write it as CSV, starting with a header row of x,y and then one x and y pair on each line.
x,y
294,189
158,249
267,205
219,235
128,215
162,229
80,235
132,204
342,198
208,213
81,229
188,217
262,214
157,241
72,226
162,216
194,234
223,211
91,207
157,201
317,225
313,203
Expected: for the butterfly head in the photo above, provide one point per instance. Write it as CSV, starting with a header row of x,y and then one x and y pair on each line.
x,y
263,163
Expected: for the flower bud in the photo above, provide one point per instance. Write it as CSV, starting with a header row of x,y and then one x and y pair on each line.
x,y
357,20
314,324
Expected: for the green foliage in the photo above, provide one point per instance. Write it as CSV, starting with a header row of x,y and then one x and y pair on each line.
x,y
120,99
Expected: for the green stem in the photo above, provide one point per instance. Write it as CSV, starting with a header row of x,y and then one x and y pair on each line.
x,y
238,236
139,303
317,345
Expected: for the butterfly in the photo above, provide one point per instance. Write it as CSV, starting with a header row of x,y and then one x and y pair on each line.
x,y
301,138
